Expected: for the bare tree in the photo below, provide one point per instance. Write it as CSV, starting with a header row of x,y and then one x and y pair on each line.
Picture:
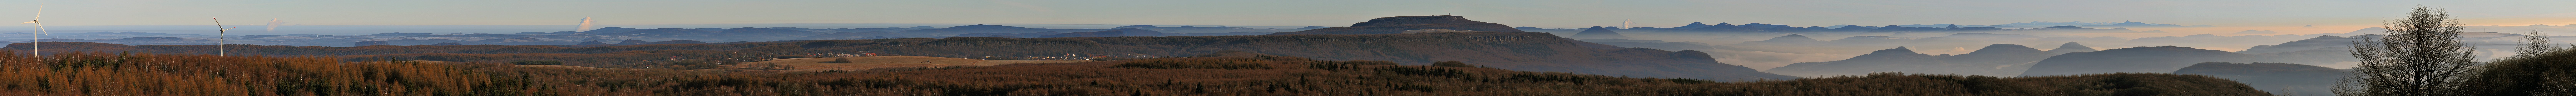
x,y
2421,56
2533,45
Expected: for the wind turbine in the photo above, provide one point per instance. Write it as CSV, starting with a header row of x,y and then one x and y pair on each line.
x,y
38,44
219,35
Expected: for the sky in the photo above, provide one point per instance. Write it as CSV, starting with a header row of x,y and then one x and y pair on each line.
x,y
1536,13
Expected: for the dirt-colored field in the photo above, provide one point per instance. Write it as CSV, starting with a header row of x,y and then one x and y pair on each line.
x,y
411,61
864,63
569,67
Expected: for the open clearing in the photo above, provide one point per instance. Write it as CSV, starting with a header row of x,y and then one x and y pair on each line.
x,y
873,62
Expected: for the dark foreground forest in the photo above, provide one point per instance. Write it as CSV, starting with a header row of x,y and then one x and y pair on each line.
x,y
1227,73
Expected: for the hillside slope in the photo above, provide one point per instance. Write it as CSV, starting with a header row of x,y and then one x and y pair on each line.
x,y
2274,77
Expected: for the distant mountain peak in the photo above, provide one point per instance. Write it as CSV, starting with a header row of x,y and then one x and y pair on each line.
x,y
2014,49
988,26
1892,53
1694,25
2068,26
1852,27
1897,50
1792,38
1135,26
2071,47
1598,32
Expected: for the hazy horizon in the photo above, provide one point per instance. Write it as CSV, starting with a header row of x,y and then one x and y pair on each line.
x,y
1546,14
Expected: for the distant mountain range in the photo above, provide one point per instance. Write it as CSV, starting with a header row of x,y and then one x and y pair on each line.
x,y
2099,24
1993,60
1696,27
2166,59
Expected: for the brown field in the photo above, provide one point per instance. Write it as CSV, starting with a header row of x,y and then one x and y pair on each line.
x,y
864,63
569,67
410,61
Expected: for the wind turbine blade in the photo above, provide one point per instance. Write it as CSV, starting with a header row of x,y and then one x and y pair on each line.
x,y
40,14
219,23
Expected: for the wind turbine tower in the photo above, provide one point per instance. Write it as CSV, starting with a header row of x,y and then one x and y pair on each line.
x,y
219,35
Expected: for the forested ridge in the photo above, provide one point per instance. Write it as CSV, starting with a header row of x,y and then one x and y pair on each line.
x,y
1230,73
1527,51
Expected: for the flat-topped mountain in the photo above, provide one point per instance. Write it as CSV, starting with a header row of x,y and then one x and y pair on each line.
x,y
1110,33
980,28
1597,32
1399,24
1196,29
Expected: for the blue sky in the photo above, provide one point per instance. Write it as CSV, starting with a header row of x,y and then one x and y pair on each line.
x,y
1539,13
